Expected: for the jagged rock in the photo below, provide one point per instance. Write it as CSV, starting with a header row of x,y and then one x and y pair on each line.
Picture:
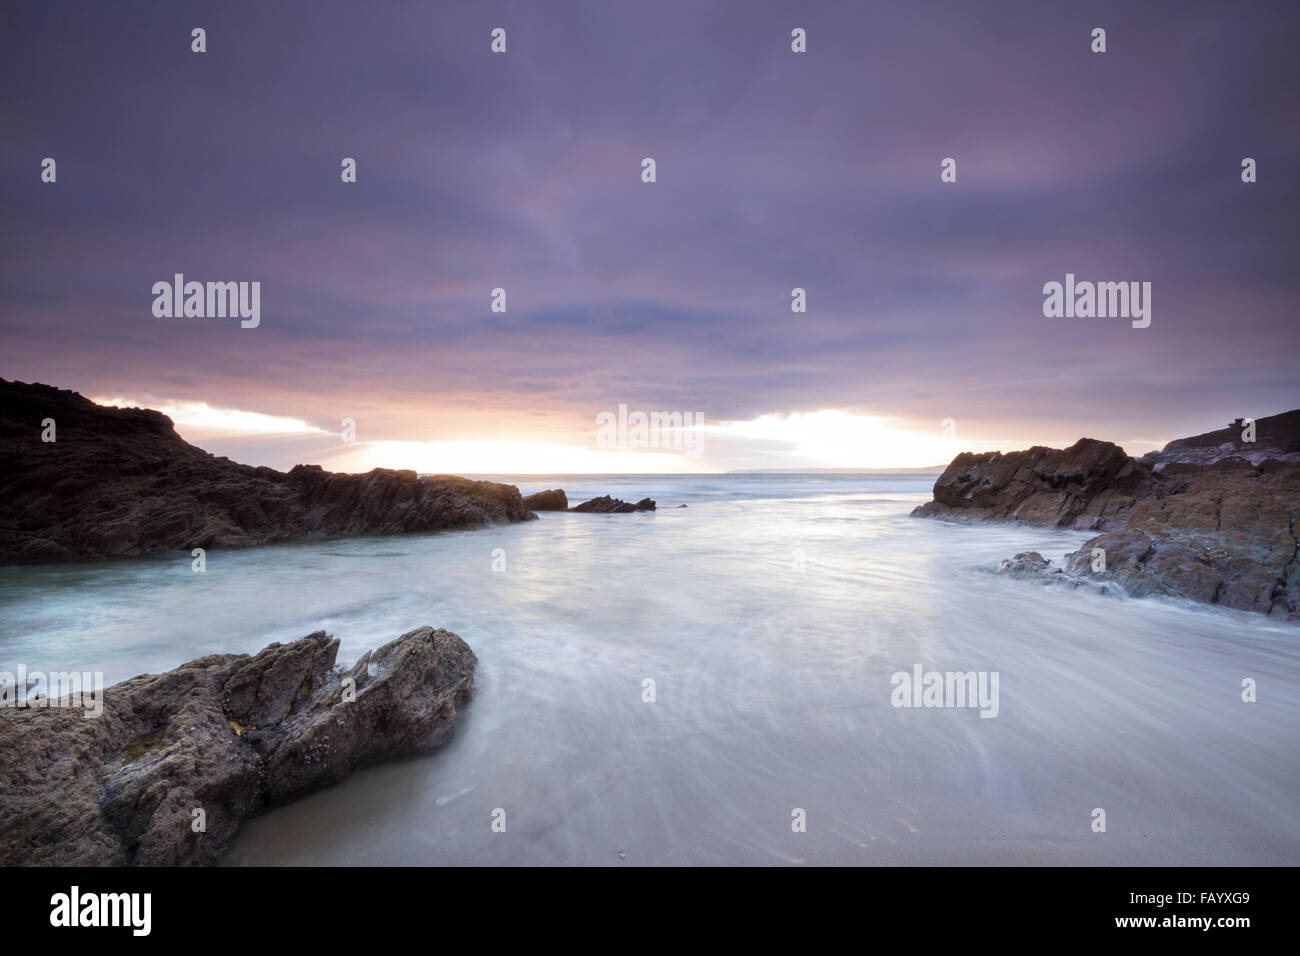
x,y
1091,484
1181,565
553,500
1213,528
1224,533
227,734
606,505
121,482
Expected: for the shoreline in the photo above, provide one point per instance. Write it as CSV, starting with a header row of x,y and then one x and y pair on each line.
x,y
557,714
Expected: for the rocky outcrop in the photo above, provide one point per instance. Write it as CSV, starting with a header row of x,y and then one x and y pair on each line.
x,y
556,500
215,741
1276,437
120,482
1218,528
605,505
1224,534
1091,484
551,500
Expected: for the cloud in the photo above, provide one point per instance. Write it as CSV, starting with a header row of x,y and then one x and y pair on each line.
x,y
776,170
199,417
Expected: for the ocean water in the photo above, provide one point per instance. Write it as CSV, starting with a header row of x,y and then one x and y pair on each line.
x,y
771,615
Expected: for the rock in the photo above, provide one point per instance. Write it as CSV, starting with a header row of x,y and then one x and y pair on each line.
x,y
1224,534
1277,437
554,500
1091,484
227,734
606,505
1032,566
1174,564
121,483
1192,523
1025,564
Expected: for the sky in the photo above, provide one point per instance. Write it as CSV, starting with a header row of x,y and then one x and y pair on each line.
x,y
924,334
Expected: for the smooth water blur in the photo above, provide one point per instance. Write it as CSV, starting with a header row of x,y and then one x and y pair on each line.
x,y
772,686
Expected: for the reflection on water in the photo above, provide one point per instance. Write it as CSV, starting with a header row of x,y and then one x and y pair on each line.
x,y
771,685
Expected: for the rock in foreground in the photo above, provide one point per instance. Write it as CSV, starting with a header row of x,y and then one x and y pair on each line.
x,y
227,735
119,482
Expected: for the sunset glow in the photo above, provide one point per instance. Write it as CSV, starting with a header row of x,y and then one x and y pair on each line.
x,y
800,441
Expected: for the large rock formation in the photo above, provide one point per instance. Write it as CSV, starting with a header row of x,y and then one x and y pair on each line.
x,y
226,735
1091,484
1196,520
1222,534
120,482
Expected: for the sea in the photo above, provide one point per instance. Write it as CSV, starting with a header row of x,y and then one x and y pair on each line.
x,y
728,680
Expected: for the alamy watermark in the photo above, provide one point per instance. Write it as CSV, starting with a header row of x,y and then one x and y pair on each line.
x,y
71,690
672,430
1101,300
212,300
922,688
75,908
